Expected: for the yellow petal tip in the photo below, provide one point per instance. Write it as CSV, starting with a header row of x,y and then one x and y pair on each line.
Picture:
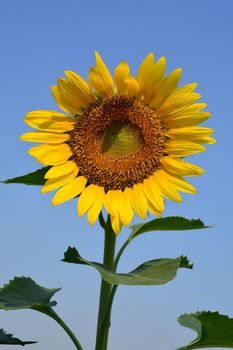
x,y
151,56
179,70
54,202
80,212
97,56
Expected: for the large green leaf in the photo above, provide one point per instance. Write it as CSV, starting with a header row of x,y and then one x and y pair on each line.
x,y
24,293
153,272
8,339
213,330
35,178
170,223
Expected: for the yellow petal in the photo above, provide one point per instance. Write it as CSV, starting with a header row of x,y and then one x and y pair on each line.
x,y
178,94
144,68
153,209
70,190
40,150
86,199
122,72
186,110
97,82
71,94
139,201
103,70
167,86
182,148
94,211
82,89
189,133
178,182
206,140
62,100
153,80
45,137
132,86
50,121
125,208
60,170
184,89
177,166
100,78
56,182
116,224
51,154
177,102
167,188
153,193
186,120
112,202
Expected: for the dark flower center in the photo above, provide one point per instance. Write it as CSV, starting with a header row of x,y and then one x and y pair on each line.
x,y
117,142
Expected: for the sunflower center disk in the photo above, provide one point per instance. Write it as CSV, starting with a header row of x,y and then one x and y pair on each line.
x,y
117,142
121,139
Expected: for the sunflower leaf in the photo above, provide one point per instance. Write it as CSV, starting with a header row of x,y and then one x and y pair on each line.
x,y
8,339
213,330
153,272
24,293
170,223
36,178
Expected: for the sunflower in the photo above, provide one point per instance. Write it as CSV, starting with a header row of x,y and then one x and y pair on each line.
x,y
121,142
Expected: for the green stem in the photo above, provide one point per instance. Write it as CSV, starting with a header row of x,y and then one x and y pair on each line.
x,y
120,253
106,288
114,288
110,302
50,312
102,221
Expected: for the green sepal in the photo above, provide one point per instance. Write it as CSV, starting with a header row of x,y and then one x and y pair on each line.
x,y
169,223
36,178
24,293
213,330
8,339
153,272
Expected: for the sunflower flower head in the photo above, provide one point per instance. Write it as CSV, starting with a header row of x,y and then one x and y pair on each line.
x,y
120,142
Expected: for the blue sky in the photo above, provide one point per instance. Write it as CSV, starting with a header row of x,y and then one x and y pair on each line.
x,y
39,40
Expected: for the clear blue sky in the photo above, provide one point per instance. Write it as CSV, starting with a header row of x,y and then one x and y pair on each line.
x,y
39,39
